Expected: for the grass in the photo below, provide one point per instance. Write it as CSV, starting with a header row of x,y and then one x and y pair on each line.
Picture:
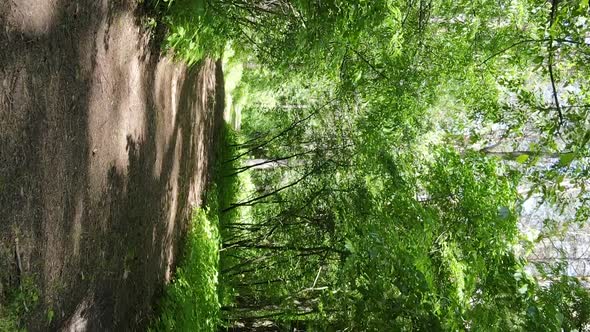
x,y
191,301
19,301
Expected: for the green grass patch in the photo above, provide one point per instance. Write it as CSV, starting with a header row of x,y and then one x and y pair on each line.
x,y
17,303
190,301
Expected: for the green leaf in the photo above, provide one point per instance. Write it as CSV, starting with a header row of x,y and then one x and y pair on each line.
x,y
349,246
50,315
566,159
522,158
358,76
559,316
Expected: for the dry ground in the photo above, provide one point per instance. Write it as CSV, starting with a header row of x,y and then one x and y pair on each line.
x,y
104,146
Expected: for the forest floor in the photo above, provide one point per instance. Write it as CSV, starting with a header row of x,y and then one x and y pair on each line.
x,y
105,146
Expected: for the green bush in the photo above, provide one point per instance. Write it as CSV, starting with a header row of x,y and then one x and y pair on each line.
x,y
195,28
191,301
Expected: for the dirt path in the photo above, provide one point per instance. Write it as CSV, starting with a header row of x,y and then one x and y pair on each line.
x,y
104,145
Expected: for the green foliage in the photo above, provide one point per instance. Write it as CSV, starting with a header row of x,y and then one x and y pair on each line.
x,y
564,305
229,187
191,301
18,302
195,28
383,146
437,246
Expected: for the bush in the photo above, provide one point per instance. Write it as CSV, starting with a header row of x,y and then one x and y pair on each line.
x,y
191,301
195,28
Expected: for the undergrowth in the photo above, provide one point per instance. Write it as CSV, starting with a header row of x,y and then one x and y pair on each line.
x,y
191,300
15,303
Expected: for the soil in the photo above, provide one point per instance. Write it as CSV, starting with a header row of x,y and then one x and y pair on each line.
x,y
105,146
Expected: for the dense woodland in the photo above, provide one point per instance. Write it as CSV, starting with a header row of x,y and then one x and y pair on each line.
x,y
385,151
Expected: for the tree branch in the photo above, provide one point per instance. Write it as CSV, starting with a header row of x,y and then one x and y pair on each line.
x,y
550,66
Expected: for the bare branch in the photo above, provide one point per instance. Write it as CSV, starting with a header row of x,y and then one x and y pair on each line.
x,y
550,66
